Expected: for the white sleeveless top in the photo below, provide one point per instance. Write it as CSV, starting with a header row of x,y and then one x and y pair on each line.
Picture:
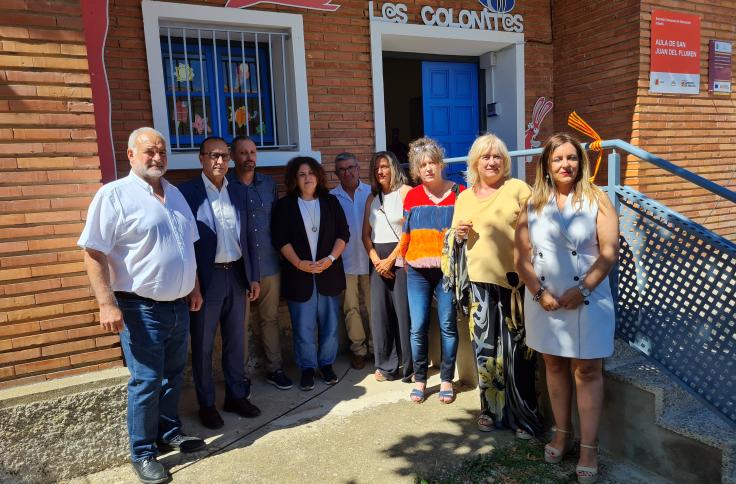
x,y
386,220
564,247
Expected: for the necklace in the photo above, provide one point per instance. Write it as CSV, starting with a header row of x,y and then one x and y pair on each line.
x,y
311,214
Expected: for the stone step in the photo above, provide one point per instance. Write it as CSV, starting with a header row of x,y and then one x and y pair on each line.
x,y
691,434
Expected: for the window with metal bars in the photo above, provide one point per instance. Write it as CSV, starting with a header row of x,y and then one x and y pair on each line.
x,y
221,82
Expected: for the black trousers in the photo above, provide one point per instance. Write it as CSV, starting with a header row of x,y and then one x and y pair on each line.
x,y
390,319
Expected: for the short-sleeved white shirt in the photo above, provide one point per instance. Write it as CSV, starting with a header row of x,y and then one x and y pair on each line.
x,y
354,257
149,245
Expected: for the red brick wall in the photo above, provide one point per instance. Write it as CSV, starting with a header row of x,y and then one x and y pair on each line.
x,y
596,67
50,169
338,72
695,132
48,172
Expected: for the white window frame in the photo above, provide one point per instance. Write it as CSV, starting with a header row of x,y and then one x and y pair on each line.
x,y
425,39
154,12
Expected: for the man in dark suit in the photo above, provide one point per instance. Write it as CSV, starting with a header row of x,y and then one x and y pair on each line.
x,y
227,268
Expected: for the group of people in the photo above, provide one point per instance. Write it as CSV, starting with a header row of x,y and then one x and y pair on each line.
x,y
525,267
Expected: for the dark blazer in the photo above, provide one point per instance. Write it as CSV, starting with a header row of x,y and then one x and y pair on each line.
x,y
205,248
287,227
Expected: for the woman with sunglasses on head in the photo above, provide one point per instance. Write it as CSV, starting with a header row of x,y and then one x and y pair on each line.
x,y
428,210
381,235
566,244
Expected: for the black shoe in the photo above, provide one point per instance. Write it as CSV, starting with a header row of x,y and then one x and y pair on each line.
x,y
183,443
328,374
246,384
307,381
210,418
242,407
150,471
279,379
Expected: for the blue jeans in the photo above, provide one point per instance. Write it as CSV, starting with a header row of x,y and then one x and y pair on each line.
x,y
154,342
318,314
421,285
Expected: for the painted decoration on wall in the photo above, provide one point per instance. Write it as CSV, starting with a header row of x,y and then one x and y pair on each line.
x,y
325,5
94,17
541,109
675,53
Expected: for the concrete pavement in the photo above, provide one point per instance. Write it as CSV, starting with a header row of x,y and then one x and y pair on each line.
x,y
357,431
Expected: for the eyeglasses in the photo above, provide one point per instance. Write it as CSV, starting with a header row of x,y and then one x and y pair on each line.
x,y
346,169
215,155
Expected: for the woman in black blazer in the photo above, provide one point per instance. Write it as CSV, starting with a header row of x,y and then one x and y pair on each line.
x,y
309,228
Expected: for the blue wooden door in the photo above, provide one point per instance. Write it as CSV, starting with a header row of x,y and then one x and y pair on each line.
x,y
450,103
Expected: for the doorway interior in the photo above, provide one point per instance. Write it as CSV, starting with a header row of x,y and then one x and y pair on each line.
x,y
411,113
399,100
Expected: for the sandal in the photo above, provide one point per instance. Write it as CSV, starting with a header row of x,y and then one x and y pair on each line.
x,y
587,475
447,396
485,423
554,455
379,376
416,395
522,434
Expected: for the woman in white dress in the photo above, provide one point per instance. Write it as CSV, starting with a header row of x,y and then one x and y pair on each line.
x,y
566,244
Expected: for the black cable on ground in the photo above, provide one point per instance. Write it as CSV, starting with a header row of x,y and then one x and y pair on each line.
x,y
264,424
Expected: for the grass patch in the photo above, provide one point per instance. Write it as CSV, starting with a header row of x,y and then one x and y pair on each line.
x,y
520,463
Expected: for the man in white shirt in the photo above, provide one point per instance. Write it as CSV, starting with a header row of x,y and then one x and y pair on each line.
x,y
352,195
139,255
228,269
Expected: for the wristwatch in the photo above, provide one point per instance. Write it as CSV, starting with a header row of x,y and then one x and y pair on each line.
x,y
538,295
332,259
584,290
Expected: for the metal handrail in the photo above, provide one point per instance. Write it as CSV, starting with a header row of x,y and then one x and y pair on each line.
x,y
642,155
647,317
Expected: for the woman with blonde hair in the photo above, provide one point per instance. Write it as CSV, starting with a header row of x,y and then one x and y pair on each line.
x,y
428,210
382,222
484,222
566,244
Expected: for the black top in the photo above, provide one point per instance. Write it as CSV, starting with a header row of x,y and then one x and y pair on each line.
x,y
287,227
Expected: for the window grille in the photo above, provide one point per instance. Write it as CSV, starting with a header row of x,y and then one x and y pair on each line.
x,y
225,83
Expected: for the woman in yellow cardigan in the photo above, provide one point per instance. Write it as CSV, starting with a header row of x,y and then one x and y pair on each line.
x,y
484,220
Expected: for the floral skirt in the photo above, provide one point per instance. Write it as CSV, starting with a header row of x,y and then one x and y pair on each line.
x,y
506,367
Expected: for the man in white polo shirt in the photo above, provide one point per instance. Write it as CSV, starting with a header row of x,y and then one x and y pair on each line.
x,y
139,254
352,195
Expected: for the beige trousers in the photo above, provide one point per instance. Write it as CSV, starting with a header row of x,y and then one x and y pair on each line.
x,y
359,334
264,322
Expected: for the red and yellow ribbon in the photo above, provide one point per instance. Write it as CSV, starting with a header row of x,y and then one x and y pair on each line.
x,y
581,126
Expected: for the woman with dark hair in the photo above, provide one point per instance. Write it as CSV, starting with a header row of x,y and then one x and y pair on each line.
x,y
381,234
566,244
309,228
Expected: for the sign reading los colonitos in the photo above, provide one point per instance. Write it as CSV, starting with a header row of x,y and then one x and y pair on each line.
x,y
495,16
675,54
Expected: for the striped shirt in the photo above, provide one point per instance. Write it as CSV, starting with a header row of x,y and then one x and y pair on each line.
x,y
425,224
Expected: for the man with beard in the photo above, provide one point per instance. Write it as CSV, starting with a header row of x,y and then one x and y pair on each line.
x,y
139,255
261,194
